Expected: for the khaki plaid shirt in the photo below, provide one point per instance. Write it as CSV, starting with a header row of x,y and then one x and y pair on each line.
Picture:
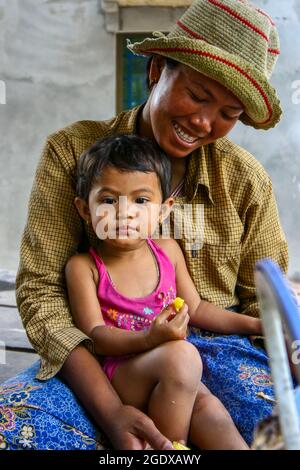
x,y
237,225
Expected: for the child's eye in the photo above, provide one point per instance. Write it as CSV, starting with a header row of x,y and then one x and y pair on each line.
x,y
108,200
141,200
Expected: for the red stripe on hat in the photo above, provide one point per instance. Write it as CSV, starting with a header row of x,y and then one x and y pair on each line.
x,y
224,61
189,31
266,15
274,51
259,11
197,36
239,17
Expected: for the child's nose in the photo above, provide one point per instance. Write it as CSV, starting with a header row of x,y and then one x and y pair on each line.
x,y
126,209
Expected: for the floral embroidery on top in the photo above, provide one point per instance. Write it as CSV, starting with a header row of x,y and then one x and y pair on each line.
x,y
112,314
148,311
169,297
136,322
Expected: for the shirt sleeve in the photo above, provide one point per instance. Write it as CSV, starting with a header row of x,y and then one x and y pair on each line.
x,y
263,238
52,234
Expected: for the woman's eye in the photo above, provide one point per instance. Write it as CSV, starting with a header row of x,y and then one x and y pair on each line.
x,y
108,200
196,98
229,118
141,200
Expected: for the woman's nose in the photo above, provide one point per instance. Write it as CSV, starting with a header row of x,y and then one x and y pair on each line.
x,y
202,123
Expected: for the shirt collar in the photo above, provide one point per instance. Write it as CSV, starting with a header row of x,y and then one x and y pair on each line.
x,y
128,121
197,173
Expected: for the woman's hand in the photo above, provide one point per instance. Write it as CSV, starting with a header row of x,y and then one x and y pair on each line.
x,y
130,429
168,326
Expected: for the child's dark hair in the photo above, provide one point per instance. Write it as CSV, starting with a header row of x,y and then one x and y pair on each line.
x,y
127,153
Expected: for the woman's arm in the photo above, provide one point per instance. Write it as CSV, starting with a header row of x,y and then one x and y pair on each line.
x,y
204,314
210,317
52,234
263,238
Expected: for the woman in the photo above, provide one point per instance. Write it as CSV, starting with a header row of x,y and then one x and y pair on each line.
x,y
212,70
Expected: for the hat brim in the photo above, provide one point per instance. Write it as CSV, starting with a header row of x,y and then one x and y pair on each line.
x,y
250,86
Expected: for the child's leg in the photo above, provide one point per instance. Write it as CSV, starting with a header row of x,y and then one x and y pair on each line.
x,y
163,383
211,425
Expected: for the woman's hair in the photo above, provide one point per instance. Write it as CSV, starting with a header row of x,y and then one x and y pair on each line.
x,y
170,63
126,153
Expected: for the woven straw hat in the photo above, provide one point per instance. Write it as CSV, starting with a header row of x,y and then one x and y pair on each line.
x,y
232,42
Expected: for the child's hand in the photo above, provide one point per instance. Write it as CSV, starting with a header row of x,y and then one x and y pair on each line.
x,y
168,326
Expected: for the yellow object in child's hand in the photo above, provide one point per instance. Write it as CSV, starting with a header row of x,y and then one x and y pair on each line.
x,y
178,303
177,445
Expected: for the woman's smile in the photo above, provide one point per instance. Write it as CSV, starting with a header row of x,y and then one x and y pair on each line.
x,y
186,109
184,136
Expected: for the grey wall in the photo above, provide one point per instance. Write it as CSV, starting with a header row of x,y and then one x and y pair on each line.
x,y
58,63
279,149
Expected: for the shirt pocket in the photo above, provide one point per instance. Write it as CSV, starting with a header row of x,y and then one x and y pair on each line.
x,y
215,271
223,263
223,255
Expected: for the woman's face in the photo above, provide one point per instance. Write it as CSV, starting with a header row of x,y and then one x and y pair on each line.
x,y
186,109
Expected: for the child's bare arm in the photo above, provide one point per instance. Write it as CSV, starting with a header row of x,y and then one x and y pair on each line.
x,y
204,314
109,340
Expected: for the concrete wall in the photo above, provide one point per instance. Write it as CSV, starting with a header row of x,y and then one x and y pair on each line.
x,y
57,63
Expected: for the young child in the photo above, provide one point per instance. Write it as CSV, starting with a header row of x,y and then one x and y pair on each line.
x,y
121,294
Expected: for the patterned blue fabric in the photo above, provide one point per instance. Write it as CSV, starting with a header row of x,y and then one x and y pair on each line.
x,y
43,415
47,415
235,371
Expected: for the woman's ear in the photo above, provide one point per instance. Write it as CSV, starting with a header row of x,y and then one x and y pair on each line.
x,y
157,64
83,209
166,209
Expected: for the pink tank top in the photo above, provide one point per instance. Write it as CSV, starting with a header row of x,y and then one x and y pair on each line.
x,y
136,313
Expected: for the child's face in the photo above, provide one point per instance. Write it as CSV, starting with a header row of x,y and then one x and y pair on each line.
x,y
124,206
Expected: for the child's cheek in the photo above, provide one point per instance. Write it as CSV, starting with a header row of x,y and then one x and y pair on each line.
x,y
104,222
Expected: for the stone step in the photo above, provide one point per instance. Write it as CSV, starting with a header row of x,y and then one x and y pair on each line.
x,y
12,333
12,362
8,298
7,279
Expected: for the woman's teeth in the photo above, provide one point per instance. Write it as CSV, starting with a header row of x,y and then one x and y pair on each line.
x,y
187,138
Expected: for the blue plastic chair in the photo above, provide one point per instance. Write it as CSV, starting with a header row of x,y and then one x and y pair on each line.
x,y
280,315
